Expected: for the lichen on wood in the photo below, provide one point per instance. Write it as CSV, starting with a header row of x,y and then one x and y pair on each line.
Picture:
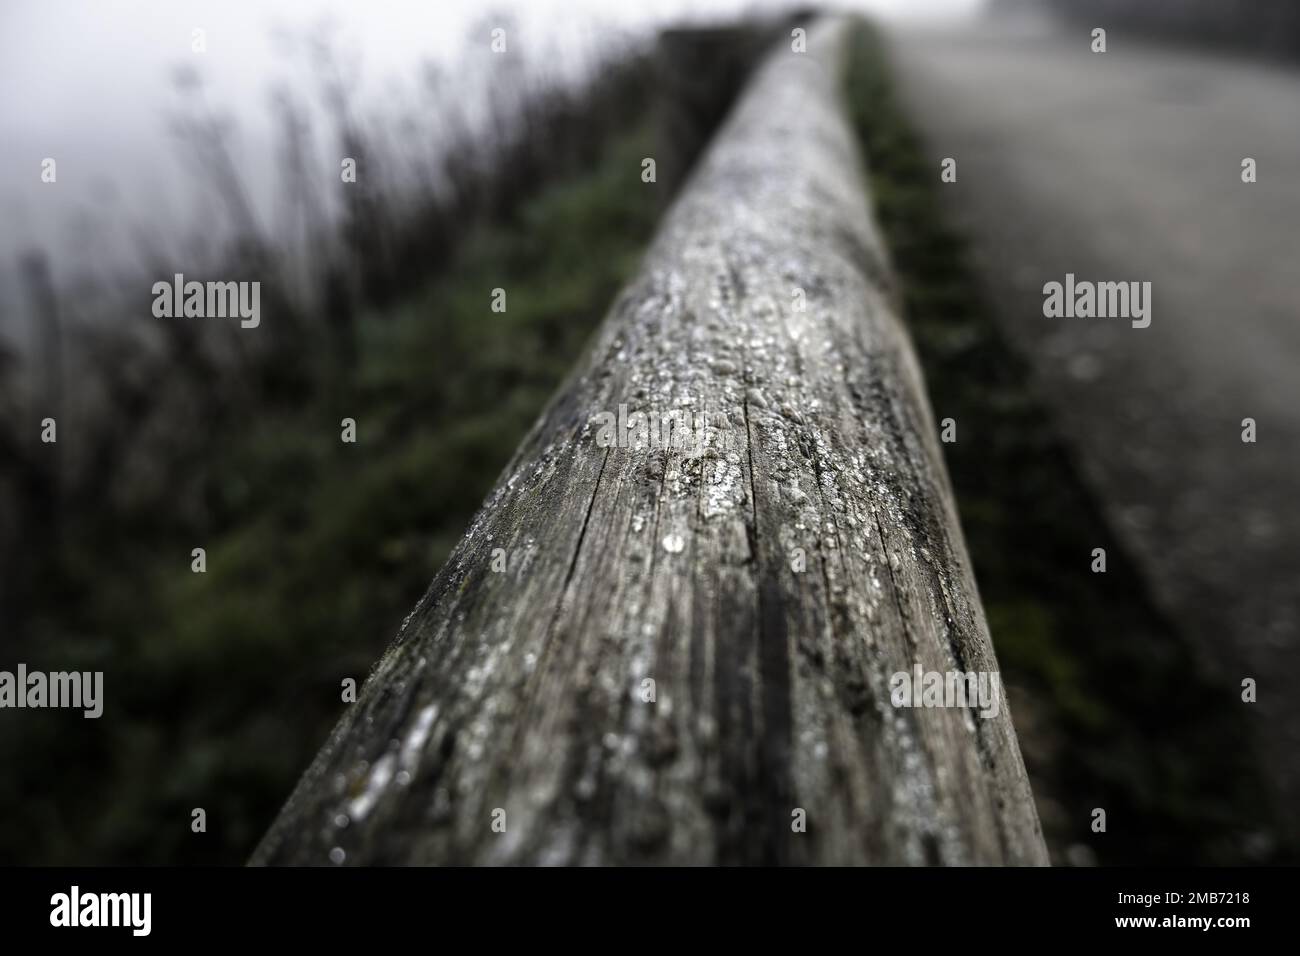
x,y
681,652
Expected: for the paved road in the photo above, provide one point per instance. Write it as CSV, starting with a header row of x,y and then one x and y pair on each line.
x,y
1127,166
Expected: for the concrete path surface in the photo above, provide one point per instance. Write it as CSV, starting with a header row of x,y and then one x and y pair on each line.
x,y
1127,166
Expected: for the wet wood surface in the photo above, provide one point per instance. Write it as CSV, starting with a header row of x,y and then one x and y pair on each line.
x,y
683,654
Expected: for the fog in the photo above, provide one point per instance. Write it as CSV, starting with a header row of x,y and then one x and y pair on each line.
x,y
91,87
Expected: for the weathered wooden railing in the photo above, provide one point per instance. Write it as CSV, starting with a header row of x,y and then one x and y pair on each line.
x,y
686,654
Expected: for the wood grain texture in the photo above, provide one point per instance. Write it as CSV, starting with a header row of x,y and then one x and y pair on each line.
x,y
523,690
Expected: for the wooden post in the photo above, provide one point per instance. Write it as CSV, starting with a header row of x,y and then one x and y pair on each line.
x,y
642,654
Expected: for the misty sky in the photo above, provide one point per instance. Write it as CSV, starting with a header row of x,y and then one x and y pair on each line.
x,y
88,83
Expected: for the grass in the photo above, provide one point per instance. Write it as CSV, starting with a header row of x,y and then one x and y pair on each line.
x,y
1111,706
322,547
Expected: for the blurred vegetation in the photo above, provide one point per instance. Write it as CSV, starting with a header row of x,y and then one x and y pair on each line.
x,y
1112,707
315,548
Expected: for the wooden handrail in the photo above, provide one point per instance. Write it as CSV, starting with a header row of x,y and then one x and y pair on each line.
x,y
682,644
